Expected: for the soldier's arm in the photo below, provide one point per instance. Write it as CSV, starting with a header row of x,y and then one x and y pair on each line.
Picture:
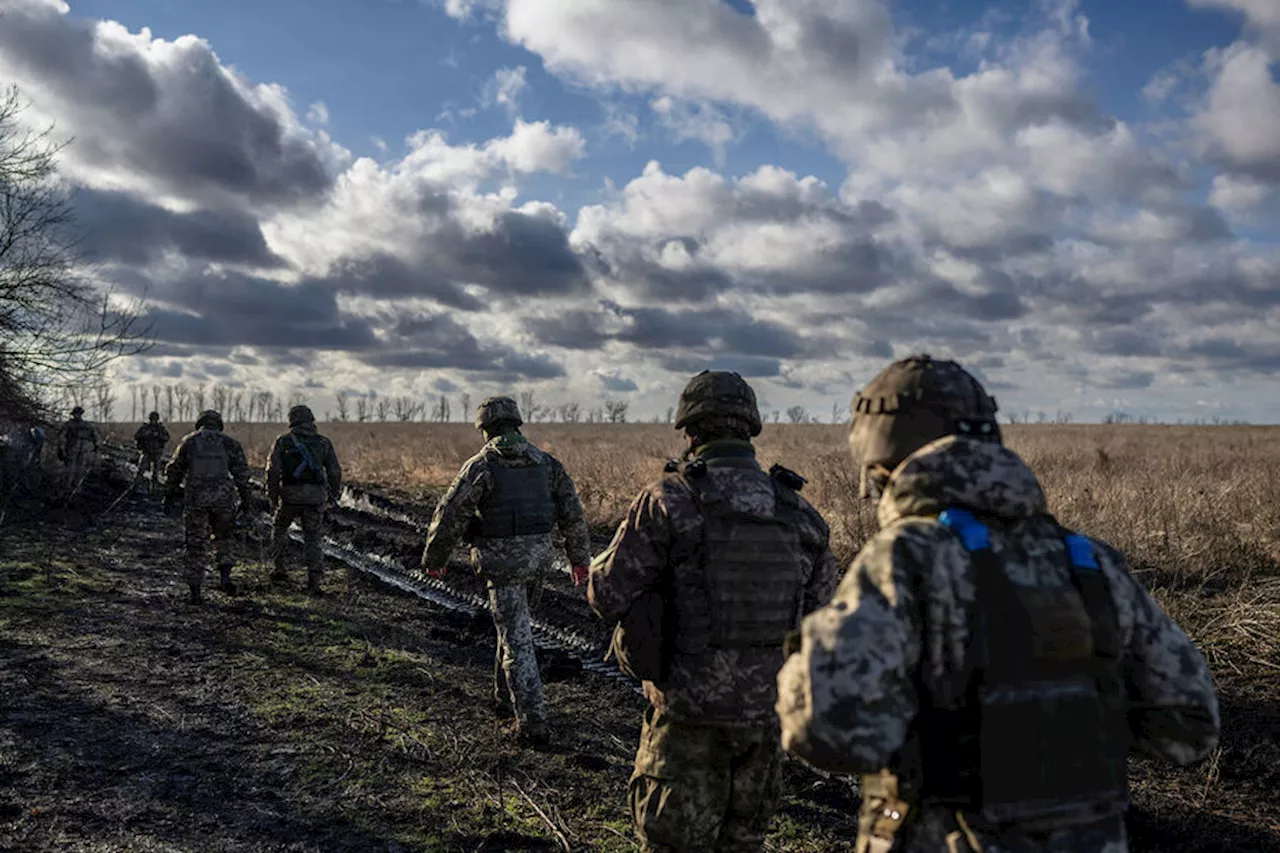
x,y
238,465
570,516
632,564
826,572
333,471
164,435
139,436
176,470
847,699
1173,711
454,513
273,473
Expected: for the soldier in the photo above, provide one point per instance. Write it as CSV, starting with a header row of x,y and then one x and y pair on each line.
x,y
214,467
150,439
303,478
736,557
985,668
506,500
79,441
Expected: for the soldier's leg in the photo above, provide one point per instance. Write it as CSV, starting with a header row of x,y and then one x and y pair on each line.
x,y
679,791
154,462
222,522
312,539
196,528
285,514
510,606
755,788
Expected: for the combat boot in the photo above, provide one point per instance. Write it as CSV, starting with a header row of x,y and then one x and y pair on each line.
x,y
533,734
224,579
195,597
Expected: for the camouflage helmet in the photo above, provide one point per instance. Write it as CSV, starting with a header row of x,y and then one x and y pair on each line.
x,y
911,403
493,411
718,393
299,415
77,411
209,418
154,416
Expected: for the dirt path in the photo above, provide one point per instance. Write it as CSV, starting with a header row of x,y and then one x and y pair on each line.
x,y
274,722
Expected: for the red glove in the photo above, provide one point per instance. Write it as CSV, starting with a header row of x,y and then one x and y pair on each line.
x,y
436,573
579,574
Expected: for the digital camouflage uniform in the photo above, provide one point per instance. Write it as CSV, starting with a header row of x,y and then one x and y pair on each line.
x,y
78,443
213,467
297,490
708,768
151,440
895,648
512,566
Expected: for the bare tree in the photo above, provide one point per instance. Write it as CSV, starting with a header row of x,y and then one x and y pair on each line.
x,y
464,400
671,414
220,398
362,409
198,397
183,393
104,400
343,401
133,410
157,391
56,329
382,410
571,413
236,399
440,412
168,402
297,399
616,411
797,415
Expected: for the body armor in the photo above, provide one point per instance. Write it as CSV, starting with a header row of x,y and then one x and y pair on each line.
x,y
303,460
519,503
210,461
1040,738
749,587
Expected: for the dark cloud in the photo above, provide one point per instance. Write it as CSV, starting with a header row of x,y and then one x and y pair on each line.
x,y
118,227
176,116
1126,379
618,384
384,276
749,366
436,341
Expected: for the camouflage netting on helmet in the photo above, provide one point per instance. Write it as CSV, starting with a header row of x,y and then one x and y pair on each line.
x,y
209,418
496,411
913,402
300,415
717,395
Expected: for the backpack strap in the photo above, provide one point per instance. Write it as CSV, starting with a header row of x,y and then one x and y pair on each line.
x,y
1094,590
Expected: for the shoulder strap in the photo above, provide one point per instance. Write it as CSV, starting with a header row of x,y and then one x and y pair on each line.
x,y
1094,590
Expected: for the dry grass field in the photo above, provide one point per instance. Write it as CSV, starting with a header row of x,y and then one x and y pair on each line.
x,y
1195,508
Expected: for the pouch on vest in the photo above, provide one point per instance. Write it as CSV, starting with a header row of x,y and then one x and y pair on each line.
x,y
519,503
1046,698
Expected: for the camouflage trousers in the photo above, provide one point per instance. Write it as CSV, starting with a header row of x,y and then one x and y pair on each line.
x,y
312,520
149,464
79,460
704,787
201,525
516,680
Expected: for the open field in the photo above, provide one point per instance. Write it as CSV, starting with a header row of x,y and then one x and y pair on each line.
x,y
356,722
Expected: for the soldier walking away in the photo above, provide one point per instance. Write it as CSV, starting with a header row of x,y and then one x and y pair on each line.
x,y
214,468
303,479
732,557
506,500
151,440
77,445
985,668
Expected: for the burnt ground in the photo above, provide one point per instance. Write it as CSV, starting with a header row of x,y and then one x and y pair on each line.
x,y
271,721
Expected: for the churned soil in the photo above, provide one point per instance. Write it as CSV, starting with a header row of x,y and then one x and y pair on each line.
x,y
271,721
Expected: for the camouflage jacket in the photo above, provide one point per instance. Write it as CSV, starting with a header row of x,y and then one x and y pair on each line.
x,y
215,491
151,439
512,559
304,494
848,698
662,531
78,435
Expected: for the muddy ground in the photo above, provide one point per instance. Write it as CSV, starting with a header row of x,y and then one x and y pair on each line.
x,y
271,721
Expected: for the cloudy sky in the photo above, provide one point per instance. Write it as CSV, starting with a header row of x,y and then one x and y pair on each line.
x,y
591,198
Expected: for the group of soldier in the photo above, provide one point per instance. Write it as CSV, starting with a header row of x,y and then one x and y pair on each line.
x,y
984,670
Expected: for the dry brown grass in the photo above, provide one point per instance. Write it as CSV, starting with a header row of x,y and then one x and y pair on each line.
x,y
1196,509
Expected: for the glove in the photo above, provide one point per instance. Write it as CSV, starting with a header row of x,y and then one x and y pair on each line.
x,y
436,573
579,574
